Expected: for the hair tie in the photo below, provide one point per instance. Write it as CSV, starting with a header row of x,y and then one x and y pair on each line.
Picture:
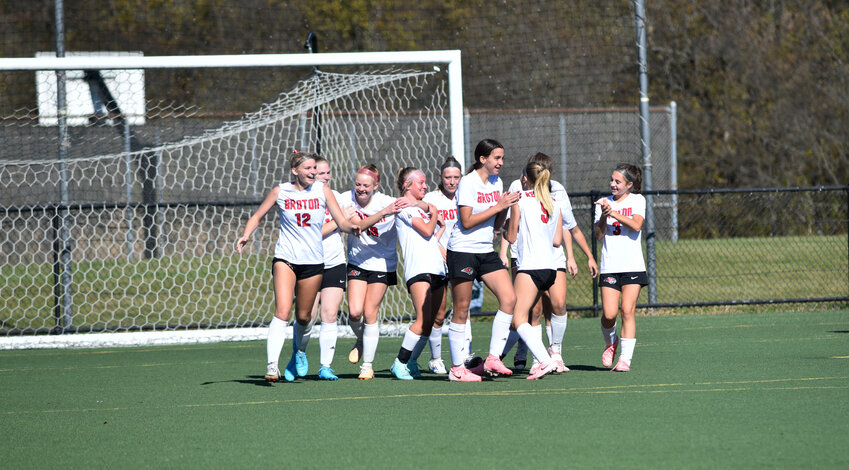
x,y
368,172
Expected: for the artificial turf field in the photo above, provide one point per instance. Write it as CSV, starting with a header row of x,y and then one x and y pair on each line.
x,y
705,391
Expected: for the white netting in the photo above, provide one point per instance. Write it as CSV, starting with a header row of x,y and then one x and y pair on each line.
x,y
149,233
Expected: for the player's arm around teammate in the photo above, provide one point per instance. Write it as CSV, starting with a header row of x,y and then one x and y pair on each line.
x,y
372,261
618,223
424,271
298,256
470,256
536,232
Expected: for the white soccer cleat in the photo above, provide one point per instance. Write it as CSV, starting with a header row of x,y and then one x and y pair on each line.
x,y
272,374
437,366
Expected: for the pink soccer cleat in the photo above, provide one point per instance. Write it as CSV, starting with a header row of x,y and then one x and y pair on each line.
x,y
621,366
535,367
609,352
461,374
561,366
493,366
543,370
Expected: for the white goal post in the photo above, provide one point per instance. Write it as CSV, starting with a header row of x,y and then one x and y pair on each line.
x,y
123,244
451,58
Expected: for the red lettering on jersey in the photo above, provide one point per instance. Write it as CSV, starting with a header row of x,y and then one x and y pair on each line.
x,y
301,204
489,197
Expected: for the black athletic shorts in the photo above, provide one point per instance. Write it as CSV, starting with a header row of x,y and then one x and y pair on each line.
x,y
435,280
472,265
617,280
543,278
371,277
302,271
335,276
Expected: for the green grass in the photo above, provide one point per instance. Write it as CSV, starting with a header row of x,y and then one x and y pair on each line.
x,y
218,289
705,391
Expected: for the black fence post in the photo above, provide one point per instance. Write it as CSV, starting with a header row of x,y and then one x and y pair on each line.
x,y
594,245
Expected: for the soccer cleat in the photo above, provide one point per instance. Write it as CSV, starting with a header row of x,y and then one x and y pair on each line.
x,y
272,374
519,364
621,366
437,366
561,366
302,365
291,370
326,373
609,352
400,370
461,374
493,366
366,372
413,367
558,359
535,367
354,355
543,370
475,365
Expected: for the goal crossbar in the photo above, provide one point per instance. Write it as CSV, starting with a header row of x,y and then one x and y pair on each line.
x,y
451,58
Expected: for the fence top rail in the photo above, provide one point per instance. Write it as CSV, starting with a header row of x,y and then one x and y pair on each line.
x,y
723,190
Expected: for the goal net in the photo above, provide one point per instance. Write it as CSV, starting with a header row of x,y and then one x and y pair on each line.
x,y
132,229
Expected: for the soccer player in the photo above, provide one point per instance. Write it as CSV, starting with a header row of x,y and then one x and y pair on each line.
x,y
424,269
372,260
618,222
298,261
536,232
481,206
552,305
443,198
333,283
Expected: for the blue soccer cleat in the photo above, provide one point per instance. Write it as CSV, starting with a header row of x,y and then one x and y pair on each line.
x,y
302,365
326,373
400,371
413,367
290,371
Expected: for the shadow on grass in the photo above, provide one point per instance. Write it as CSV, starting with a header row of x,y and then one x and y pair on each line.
x,y
586,368
839,331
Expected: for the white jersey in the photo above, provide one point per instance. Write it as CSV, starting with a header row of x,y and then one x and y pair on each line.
x,y
561,200
447,209
622,251
480,196
534,249
421,255
334,247
374,249
301,218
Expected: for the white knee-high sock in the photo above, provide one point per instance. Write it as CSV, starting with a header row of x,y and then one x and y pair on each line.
x,y
609,334
512,339
435,340
500,332
468,336
276,338
626,351
327,335
457,343
371,334
548,333
533,338
558,331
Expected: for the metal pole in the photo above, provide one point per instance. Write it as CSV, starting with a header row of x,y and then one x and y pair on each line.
x,y
128,188
311,45
65,268
563,150
594,195
673,166
645,140
466,158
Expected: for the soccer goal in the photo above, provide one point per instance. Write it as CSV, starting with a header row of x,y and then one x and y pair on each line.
x,y
119,227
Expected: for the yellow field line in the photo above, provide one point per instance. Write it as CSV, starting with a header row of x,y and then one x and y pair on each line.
x,y
622,389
